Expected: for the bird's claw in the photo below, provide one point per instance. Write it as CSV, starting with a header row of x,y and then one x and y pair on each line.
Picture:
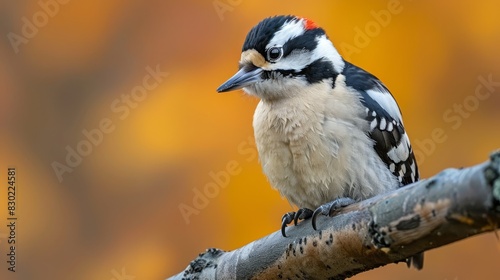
x,y
328,209
301,214
285,220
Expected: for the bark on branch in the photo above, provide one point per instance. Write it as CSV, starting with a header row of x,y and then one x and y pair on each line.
x,y
453,205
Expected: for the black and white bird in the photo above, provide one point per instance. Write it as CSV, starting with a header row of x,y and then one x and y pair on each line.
x,y
328,133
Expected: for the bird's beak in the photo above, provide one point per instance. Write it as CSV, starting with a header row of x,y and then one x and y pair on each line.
x,y
244,77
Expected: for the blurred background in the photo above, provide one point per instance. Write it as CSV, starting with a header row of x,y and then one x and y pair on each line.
x,y
130,164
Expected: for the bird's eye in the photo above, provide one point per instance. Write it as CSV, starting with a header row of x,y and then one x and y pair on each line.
x,y
274,54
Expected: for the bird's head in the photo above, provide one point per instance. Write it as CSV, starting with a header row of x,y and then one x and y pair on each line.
x,y
282,54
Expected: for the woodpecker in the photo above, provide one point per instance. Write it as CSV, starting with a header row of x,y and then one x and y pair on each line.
x,y
328,133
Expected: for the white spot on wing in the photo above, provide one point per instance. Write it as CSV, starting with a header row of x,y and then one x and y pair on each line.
x,y
390,126
383,124
392,167
401,175
413,171
401,152
373,124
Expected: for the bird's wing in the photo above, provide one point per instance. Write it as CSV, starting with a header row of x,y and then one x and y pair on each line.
x,y
386,124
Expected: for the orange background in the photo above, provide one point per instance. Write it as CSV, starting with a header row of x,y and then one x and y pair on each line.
x,y
119,208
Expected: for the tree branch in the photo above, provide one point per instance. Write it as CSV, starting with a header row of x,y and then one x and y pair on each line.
x,y
388,228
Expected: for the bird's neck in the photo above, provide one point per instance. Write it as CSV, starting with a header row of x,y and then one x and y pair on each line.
x,y
326,50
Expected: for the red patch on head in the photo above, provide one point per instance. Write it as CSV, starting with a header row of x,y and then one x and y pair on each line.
x,y
309,24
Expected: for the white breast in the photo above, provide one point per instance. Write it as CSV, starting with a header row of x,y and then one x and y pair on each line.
x,y
313,147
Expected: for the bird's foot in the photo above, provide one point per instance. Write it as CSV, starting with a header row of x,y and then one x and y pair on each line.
x,y
301,214
328,209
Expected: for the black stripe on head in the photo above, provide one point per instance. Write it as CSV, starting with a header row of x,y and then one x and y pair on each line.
x,y
306,41
261,34
315,72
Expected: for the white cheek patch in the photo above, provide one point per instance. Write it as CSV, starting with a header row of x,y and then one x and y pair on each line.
x,y
289,31
326,49
296,60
